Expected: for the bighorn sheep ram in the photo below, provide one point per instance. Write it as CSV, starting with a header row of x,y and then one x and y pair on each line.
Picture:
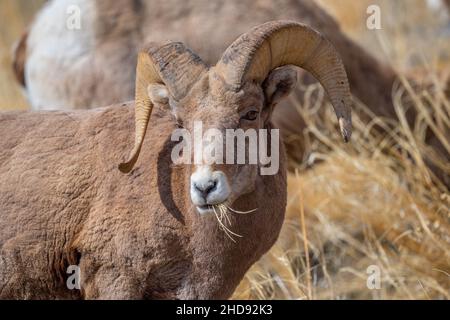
x,y
153,233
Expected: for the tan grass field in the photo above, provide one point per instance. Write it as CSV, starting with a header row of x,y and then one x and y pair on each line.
x,y
370,203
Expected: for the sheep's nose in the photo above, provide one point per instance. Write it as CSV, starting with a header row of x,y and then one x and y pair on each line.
x,y
207,188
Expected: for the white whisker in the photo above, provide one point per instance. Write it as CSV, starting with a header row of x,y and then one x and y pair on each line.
x,y
224,210
241,212
227,231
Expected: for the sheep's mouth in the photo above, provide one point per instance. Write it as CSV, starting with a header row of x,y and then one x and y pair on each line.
x,y
210,207
207,208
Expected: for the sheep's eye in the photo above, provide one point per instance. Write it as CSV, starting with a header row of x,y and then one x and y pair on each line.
x,y
251,115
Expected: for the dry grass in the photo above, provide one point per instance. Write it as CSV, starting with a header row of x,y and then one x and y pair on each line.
x,y
372,202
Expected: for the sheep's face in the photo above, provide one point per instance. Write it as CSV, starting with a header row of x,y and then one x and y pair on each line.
x,y
225,127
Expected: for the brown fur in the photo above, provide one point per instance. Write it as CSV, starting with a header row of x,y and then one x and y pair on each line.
x,y
447,3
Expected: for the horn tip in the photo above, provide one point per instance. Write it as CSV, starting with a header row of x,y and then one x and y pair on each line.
x,y
125,167
346,129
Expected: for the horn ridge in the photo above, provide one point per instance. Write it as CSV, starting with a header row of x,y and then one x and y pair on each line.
x,y
275,44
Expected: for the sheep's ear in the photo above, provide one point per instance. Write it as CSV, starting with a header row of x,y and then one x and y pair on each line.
x,y
279,84
158,93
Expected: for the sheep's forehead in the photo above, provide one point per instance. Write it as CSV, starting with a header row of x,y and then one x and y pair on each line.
x,y
216,96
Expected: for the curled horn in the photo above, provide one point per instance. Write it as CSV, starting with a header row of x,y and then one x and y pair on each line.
x,y
171,64
274,44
